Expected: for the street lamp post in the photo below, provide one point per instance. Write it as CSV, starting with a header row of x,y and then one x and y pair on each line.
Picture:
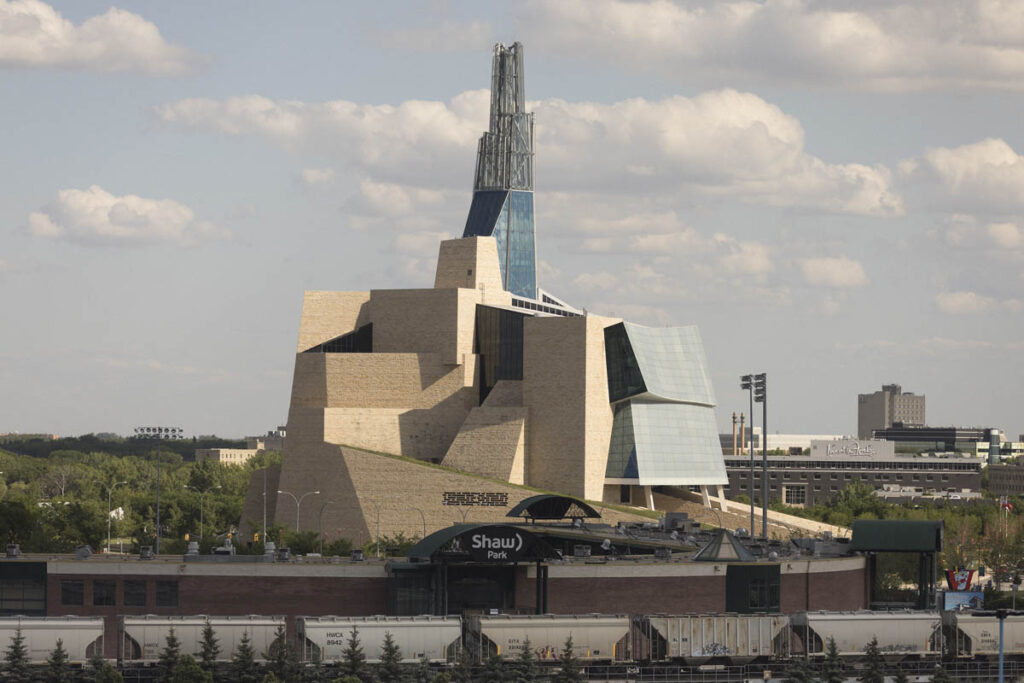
x,y
320,525
298,503
202,497
376,507
424,520
761,396
110,490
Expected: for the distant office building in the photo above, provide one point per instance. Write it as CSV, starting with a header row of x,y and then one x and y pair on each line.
x,y
803,480
882,409
921,439
788,443
272,441
1006,480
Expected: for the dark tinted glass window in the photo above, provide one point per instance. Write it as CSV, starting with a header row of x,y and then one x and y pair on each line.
x,y
72,592
624,378
104,592
360,341
166,593
134,593
498,339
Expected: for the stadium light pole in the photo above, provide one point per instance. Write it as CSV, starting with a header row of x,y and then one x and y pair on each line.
x,y
298,503
761,396
110,489
747,383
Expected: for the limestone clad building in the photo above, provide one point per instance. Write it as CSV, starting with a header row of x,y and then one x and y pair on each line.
x,y
413,409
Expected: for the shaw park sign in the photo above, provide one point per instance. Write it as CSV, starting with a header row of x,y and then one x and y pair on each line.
x,y
497,543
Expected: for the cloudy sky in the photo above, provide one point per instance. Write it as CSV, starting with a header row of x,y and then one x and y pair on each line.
x,y
833,191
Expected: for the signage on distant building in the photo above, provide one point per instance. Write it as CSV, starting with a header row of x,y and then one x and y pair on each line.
x,y
496,543
853,448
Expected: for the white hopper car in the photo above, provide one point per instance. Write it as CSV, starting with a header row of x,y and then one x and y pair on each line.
x,y
594,636
143,637
81,637
978,636
739,637
898,633
436,638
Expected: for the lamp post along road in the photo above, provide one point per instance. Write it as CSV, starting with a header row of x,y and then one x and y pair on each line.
x,y
202,497
298,503
110,490
320,525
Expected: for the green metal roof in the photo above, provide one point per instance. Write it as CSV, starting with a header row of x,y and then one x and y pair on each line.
x,y
897,536
550,506
437,540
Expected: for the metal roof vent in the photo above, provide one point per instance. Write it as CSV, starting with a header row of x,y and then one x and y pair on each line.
x,y
146,552
357,555
13,550
283,554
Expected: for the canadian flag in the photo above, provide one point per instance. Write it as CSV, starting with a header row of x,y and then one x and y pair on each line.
x,y
959,579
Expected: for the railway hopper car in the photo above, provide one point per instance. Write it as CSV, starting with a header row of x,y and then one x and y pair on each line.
x,y
81,637
143,637
595,637
740,638
978,636
436,638
899,633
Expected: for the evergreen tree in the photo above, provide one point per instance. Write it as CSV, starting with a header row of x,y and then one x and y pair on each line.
x,y
16,665
209,649
57,668
525,668
285,664
354,663
390,669
571,671
423,674
101,671
799,670
942,676
270,678
187,670
169,655
875,671
442,677
463,671
243,662
901,677
495,670
834,668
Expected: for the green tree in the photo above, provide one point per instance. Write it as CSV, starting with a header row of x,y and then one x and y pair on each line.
x,y
285,664
834,668
16,664
901,677
57,668
390,668
525,669
423,674
102,671
463,670
270,677
243,662
799,670
168,657
495,670
187,670
209,649
442,677
571,671
353,659
942,676
875,669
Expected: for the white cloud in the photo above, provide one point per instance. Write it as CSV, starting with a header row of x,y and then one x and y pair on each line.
x,y
721,143
94,216
34,34
446,36
871,45
982,177
1006,235
745,258
838,273
964,302
316,176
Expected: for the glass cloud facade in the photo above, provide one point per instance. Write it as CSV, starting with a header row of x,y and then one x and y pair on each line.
x,y
664,430
503,186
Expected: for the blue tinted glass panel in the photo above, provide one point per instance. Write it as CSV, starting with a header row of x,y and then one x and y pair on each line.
x,y
622,448
624,377
483,213
521,272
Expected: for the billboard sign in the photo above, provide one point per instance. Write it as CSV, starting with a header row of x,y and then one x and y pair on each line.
x,y
963,600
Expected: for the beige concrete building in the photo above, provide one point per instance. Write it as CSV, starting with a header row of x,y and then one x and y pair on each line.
x,y
412,409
